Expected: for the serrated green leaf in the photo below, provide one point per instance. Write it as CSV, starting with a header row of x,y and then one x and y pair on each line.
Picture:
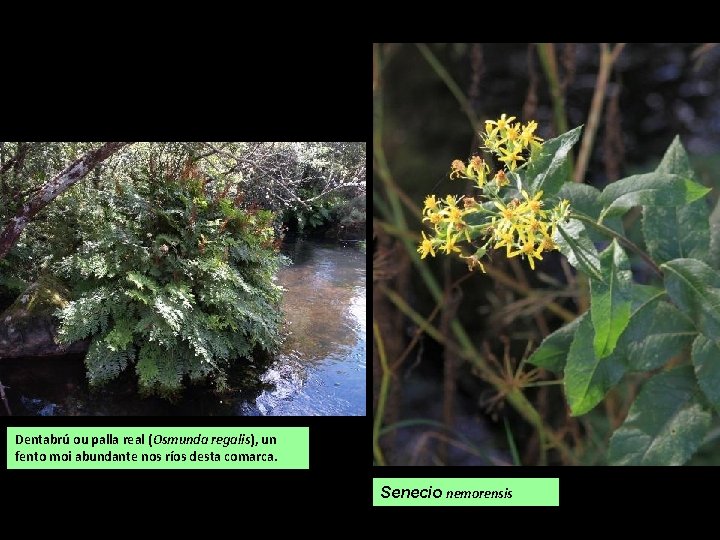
x,y
552,352
588,379
676,160
657,331
672,232
573,241
695,288
546,171
675,232
706,359
655,188
665,425
610,299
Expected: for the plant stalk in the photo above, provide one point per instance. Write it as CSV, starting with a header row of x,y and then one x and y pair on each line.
x,y
620,238
607,60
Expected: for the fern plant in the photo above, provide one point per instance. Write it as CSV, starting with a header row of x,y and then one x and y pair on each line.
x,y
173,280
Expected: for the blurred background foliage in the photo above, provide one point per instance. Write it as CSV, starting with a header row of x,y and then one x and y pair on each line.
x,y
431,407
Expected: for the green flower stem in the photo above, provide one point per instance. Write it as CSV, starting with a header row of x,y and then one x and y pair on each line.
x,y
620,238
564,314
452,86
544,383
382,397
546,52
516,398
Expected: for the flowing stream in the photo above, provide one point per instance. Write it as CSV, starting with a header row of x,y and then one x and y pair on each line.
x,y
319,371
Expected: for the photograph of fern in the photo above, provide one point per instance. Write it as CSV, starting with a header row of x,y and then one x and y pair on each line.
x,y
178,278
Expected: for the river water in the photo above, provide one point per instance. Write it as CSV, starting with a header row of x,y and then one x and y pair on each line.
x,y
320,369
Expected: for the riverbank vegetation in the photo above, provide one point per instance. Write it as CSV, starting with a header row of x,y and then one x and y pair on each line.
x,y
164,254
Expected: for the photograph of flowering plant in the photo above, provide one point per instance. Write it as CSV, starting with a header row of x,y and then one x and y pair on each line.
x,y
546,254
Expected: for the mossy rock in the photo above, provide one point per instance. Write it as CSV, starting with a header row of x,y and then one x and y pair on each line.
x,y
28,326
44,297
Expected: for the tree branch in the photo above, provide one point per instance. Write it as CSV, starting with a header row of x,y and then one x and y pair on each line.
x,y
73,173
17,159
346,185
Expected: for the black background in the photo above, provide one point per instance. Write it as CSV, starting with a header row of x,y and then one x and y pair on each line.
x,y
286,89
282,89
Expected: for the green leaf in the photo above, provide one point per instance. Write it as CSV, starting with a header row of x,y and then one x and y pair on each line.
x,y
586,200
695,288
120,336
546,171
657,331
587,378
583,198
672,232
675,232
610,299
665,425
706,359
646,338
655,188
676,160
573,241
552,352
714,255
641,294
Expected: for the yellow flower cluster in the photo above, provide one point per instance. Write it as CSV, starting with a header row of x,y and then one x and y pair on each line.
x,y
522,227
508,140
448,220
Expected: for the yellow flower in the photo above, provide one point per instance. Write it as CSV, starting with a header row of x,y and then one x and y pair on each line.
x,y
521,226
501,123
548,244
532,254
511,158
527,136
505,239
451,200
455,215
430,203
477,168
534,204
528,249
513,132
433,217
426,246
508,212
490,131
449,245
